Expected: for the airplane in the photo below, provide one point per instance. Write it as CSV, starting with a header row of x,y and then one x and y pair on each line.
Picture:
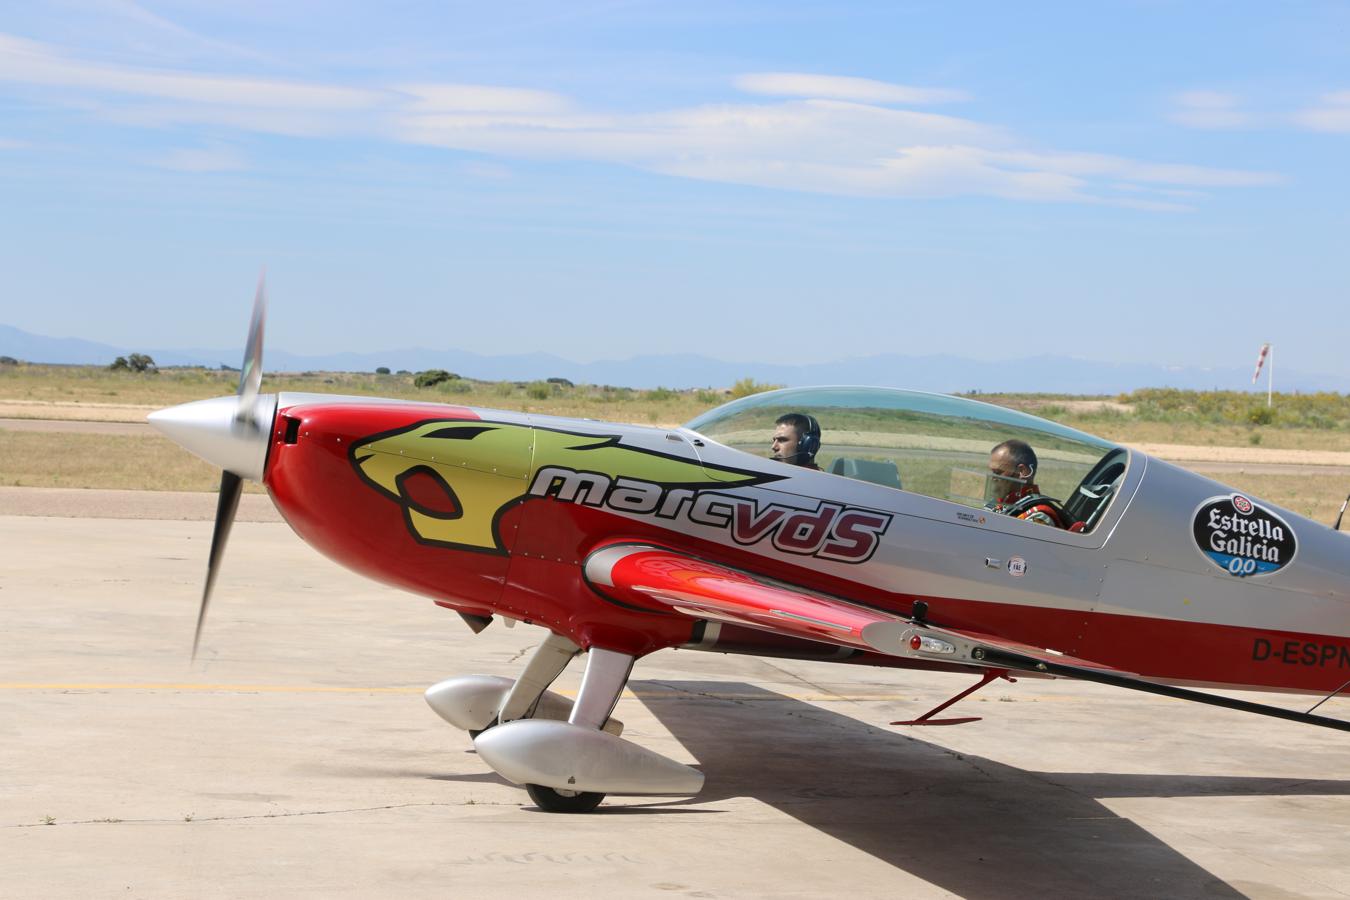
x,y
624,540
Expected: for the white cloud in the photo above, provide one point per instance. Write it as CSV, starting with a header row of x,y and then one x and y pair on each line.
x,y
1096,164
838,87
803,129
169,34
1210,110
30,62
1331,114
201,159
11,144
437,98
487,171
834,138
1218,110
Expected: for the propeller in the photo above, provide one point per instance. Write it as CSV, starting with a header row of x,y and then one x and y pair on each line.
x,y
229,432
231,485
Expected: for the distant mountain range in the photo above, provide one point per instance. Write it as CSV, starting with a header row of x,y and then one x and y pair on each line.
x,y
942,373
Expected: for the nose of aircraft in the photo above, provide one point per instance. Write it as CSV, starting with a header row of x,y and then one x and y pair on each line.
x,y
216,431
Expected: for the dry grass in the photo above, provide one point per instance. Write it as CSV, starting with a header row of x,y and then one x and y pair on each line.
x,y
126,462
1106,418
153,463
129,462
1133,431
1141,423
1316,496
92,384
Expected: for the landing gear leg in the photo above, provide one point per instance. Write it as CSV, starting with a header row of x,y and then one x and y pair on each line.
x,y
544,667
606,675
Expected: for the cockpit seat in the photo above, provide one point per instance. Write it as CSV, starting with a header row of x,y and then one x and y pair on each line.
x,y
884,472
1089,500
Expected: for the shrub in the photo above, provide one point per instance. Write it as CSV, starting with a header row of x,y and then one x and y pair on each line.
x,y
139,362
561,382
1261,415
748,386
432,377
136,362
1325,410
661,395
454,386
539,390
382,370
707,396
8,361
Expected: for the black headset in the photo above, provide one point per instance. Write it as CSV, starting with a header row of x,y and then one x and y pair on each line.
x,y
808,444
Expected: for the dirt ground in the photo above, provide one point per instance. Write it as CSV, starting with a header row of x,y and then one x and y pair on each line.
x,y
73,411
296,757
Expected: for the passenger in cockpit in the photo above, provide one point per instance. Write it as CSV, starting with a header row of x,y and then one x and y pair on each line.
x,y
796,440
1012,486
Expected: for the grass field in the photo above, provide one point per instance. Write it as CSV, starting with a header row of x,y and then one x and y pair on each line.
x,y
92,384
1316,496
1303,421
122,462
130,462
38,459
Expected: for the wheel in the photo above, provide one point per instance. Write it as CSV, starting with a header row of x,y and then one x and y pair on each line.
x,y
475,732
550,800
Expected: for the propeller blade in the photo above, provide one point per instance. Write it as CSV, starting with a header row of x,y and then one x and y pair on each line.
x,y
245,431
250,373
231,486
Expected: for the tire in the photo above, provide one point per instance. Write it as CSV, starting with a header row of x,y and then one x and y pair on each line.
x,y
550,800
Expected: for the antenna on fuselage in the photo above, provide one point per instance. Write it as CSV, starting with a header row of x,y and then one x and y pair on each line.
x,y
1339,515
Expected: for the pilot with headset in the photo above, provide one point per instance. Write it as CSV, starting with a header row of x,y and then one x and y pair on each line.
x,y
1012,489
796,440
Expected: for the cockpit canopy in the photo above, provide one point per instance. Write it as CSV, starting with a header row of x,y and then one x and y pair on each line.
x,y
929,444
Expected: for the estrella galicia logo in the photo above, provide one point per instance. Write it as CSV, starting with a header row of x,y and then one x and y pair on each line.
x,y
1242,537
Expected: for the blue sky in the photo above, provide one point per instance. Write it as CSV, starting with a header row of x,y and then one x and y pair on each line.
x,y
1157,182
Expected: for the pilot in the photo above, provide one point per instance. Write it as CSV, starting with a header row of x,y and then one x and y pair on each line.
x,y
796,440
1012,485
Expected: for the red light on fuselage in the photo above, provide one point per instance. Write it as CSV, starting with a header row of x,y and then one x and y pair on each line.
x,y
924,643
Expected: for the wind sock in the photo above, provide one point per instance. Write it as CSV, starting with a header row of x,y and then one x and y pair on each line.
x,y
1260,361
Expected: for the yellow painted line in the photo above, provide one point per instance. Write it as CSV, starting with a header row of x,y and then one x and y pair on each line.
x,y
237,688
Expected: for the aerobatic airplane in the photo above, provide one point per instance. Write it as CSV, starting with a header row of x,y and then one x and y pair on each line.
x,y
623,540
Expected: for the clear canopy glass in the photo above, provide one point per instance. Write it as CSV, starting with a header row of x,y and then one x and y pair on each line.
x,y
931,444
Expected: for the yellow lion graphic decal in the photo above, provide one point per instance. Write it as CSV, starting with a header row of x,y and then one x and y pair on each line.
x,y
455,478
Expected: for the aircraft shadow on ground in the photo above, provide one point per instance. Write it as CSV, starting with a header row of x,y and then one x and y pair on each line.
x,y
967,824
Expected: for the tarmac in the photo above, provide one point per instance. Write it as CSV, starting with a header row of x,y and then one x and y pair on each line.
x,y
297,757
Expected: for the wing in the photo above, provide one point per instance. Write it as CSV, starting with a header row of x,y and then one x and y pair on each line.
x,y
641,574
638,574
